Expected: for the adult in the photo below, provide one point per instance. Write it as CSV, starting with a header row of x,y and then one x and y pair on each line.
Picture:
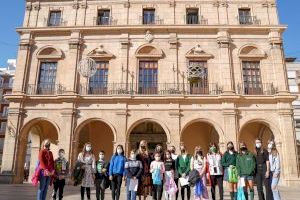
x,y
176,177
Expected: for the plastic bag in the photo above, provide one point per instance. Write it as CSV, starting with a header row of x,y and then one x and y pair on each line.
x,y
36,175
156,177
171,188
240,193
232,173
199,188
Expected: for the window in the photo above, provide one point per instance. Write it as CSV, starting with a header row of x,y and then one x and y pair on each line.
x,y
103,17
5,111
54,18
252,77
201,86
47,78
3,126
149,16
192,16
98,82
147,77
245,16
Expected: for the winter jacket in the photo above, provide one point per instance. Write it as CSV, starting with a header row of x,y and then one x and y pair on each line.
x,y
245,164
117,165
133,168
229,159
183,165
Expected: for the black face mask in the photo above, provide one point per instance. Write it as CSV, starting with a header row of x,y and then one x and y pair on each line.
x,y
199,153
143,147
182,150
243,149
172,151
230,148
47,146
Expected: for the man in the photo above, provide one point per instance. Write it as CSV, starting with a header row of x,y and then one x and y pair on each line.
x,y
174,157
262,171
183,168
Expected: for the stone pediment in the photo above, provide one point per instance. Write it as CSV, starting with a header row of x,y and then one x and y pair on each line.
x,y
49,52
198,53
149,51
251,51
100,53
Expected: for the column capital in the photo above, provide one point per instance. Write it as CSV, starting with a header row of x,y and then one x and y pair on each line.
x,y
223,38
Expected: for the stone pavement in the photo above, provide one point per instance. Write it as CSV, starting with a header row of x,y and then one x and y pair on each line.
x,y
28,192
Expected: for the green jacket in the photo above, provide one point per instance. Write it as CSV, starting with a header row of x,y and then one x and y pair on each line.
x,y
229,159
245,164
183,165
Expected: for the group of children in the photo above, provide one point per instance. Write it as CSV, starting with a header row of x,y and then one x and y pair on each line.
x,y
149,174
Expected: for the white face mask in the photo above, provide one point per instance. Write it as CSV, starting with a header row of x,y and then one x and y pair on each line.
x,y
132,156
101,157
270,145
88,148
157,158
258,145
61,155
119,151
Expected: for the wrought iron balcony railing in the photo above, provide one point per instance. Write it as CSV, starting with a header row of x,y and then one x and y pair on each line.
x,y
248,20
150,89
6,85
105,21
256,89
45,89
55,23
151,20
195,19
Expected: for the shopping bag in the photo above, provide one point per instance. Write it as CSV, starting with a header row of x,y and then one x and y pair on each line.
x,y
156,177
36,175
199,188
233,176
240,193
172,188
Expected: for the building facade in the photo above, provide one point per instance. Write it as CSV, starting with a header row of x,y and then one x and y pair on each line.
x,y
168,71
6,82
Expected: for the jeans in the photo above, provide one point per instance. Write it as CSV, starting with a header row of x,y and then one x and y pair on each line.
x,y
216,179
88,192
58,186
116,184
176,182
43,187
131,195
188,192
157,192
260,181
274,186
100,188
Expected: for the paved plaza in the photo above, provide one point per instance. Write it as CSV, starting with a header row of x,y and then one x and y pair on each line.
x,y
28,192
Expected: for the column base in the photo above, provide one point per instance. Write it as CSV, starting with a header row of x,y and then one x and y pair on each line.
x,y
6,178
291,182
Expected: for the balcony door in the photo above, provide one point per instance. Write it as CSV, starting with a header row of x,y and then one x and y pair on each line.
x,y
98,82
252,77
147,77
47,78
200,86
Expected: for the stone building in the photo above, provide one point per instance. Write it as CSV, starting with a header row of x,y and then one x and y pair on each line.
x,y
168,71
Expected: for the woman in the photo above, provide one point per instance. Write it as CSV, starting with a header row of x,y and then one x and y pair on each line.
x,y
198,162
46,165
275,172
88,161
145,185
215,170
170,185
117,172
229,163
245,164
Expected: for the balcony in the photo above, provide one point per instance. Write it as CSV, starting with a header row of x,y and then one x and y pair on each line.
x,y
2,130
155,89
151,20
248,20
44,89
195,19
105,21
55,23
256,89
6,85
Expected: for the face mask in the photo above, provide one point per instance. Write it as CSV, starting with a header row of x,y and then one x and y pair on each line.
x,y
258,145
168,156
230,147
213,149
243,149
88,148
61,155
132,156
183,151
199,153
173,151
47,146
157,158
270,145
119,151
143,147
101,157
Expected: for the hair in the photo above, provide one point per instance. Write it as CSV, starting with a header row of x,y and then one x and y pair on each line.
x,y
157,153
274,151
132,150
45,141
242,144
101,151
140,151
169,152
158,145
230,142
258,138
61,150
198,148
121,146
84,150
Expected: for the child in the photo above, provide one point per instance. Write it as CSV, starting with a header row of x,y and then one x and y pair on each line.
x,y
101,176
133,171
170,185
157,168
61,166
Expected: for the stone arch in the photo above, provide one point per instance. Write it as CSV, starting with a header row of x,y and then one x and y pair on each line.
x,y
209,129
149,51
251,51
88,131
49,52
29,143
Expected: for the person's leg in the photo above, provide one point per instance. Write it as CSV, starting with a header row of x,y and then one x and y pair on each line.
x,y
220,186
102,188
61,188
47,183
88,193
182,192
128,193
176,182
251,188
97,184
234,191
188,192
133,195
82,189
159,192
213,180
55,189
41,188
154,192
269,193
113,188
119,185
276,194
259,181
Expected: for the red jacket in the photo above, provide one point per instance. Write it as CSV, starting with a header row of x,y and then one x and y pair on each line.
x,y
46,160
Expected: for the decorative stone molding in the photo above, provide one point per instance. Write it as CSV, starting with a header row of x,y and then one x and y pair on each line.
x,y
216,4
126,4
75,41
224,4
149,37
36,6
28,6
83,5
173,41
100,53
251,51
172,3
198,53
124,43
75,5
275,39
149,51
223,39
49,52
149,6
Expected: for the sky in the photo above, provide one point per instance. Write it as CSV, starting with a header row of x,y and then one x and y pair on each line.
x,y
12,13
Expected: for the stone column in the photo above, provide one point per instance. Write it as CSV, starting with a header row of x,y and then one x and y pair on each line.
x,y
225,64
23,62
289,156
27,14
223,15
175,129
278,60
124,61
230,125
121,129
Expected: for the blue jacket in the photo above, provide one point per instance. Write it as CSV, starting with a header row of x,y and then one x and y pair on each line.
x,y
117,165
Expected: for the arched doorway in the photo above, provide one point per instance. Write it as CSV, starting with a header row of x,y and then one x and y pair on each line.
x,y
150,131
199,133
99,134
253,130
31,138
